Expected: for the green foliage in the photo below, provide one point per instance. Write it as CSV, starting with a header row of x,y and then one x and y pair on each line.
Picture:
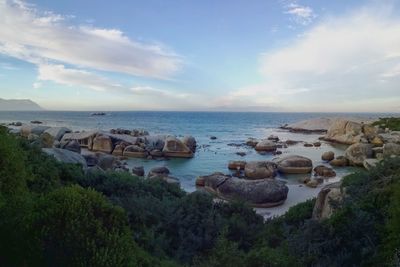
x,y
392,123
78,227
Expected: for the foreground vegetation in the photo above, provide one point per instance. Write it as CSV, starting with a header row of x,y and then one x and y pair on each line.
x,y
53,214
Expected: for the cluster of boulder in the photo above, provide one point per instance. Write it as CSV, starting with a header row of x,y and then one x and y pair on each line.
x,y
254,181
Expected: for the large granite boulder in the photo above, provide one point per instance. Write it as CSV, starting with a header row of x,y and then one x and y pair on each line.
x,y
324,171
57,132
119,150
266,146
190,142
340,161
357,153
174,147
390,149
258,193
102,143
85,139
327,201
135,151
72,145
344,132
294,165
27,129
260,170
66,156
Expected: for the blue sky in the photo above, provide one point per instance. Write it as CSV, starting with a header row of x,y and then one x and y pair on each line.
x,y
202,55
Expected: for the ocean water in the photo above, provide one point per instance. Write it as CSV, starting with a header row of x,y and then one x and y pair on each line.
x,y
212,155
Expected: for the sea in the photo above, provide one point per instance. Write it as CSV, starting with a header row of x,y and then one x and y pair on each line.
x,y
231,130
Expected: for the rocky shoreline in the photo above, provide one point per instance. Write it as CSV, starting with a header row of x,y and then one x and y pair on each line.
x,y
259,183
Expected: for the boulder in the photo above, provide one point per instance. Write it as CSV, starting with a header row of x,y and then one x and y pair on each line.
x,y
57,132
190,142
106,162
72,145
66,156
158,171
176,148
317,144
294,165
46,140
328,156
258,193
369,131
154,142
252,142
91,159
102,143
138,170
139,132
390,149
260,170
119,150
324,171
85,139
213,137
344,132
340,161
327,201
274,138
236,165
318,125
377,141
313,183
357,153
156,153
27,129
308,145
370,163
135,151
266,145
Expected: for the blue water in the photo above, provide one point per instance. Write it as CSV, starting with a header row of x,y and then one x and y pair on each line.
x,y
212,155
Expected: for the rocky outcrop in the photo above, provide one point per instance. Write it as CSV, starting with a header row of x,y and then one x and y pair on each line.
x,y
357,153
103,143
260,170
266,146
72,145
327,201
370,163
66,156
85,139
258,193
252,142
294,165
344,132
27,129
176,148
106,162
163,174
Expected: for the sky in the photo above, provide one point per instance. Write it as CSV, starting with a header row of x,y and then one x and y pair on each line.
x,y
208,55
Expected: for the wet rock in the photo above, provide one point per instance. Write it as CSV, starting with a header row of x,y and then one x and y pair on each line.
x,y
252,142
36,122
340,161
190,142
266,146
294,164
328,156
236,165
308,145
273,138
291,142
260,169
242,154
317,144
324,171
163,171
175,148
213,137
138,170
135,151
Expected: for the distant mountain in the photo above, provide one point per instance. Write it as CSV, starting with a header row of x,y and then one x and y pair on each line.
x,y
18,105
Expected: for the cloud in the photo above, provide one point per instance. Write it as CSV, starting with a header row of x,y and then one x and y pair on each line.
x,y
37,85
7,66
341,64
303,15
39,37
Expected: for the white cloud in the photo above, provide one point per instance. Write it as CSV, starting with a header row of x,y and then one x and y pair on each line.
x,y
303,15
341,64
37,85
39,37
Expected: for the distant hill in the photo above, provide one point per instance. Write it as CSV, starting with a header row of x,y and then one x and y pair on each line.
x,y
18,105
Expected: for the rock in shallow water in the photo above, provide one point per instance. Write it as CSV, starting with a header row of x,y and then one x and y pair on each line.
x,y
294,165
260,170
258,193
